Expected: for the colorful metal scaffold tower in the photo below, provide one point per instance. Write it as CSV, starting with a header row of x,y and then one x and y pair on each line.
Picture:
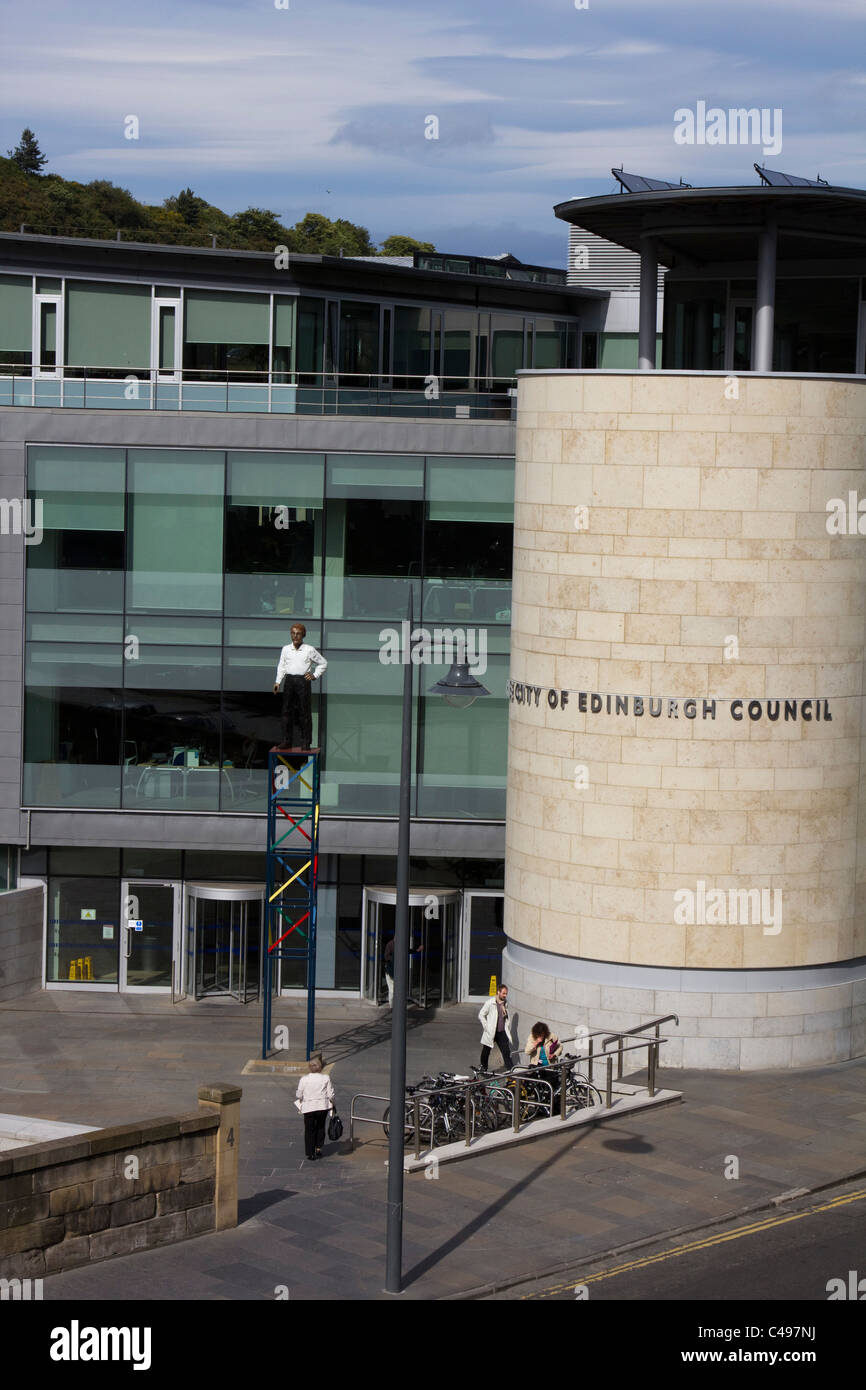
x,y
293,864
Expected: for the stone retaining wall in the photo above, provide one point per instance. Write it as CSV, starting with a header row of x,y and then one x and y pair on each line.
x,y
111,1191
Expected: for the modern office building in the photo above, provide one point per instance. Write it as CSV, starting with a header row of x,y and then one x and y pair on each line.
x,y
198,448
686,779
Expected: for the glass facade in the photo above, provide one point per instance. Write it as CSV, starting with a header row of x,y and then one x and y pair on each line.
x,y
167,581
188,348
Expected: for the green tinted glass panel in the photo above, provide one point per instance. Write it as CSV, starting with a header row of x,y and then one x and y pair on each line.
x,y
267,480
284,321
311,335
507,345
176,530
226,318
375,475
470,489
16,313
108,325
81,489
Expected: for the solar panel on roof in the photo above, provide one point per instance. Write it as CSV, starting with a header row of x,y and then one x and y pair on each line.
x,y
639,183
774,179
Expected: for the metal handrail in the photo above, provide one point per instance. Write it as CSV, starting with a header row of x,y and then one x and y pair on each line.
x,y
369,1120
633,1032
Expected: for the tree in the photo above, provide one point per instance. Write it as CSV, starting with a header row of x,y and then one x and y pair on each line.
x,y
188,205
403,246
259,228
27,154
319,236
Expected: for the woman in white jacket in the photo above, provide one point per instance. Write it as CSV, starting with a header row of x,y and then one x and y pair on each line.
x,y
315,1098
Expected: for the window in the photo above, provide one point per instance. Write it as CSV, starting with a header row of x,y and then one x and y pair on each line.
x,y
359,343
175,531
107,329
411,347
274,534
226,336
16,324
373,539
79,564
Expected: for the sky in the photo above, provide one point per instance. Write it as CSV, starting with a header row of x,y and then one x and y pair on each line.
x,y
325,105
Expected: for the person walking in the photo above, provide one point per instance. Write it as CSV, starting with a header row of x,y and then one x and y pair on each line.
x,y
388,963
299,665
493,1016
315,1097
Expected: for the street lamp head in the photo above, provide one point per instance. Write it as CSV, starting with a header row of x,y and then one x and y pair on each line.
x,y
459,687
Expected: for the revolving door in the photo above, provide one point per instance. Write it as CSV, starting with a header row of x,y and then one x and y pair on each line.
x,y
434,918
224,940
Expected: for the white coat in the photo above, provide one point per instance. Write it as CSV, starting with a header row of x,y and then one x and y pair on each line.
x,y
315,1092
488,1016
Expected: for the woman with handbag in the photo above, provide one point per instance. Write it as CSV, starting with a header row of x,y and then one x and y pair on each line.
x,y
315,1097
541,1047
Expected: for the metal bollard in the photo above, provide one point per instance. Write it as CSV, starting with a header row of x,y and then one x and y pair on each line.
x,y
562,1096
619,1060
608,1100
591,1059
469,1116
515,1104
416,1105
652,1062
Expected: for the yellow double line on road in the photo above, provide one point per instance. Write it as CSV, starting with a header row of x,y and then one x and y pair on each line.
x,y
719,1239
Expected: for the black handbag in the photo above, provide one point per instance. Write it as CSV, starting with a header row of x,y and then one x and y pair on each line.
x,y
335,1128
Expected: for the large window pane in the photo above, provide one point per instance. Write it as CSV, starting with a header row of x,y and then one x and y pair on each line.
x,y
373,542
108,326
251,727
458,361
468,540
176,530
359,342
462,769
506,353
83,930
694,325
72,746
182,653
274,534
311,340
816,325
361,772
16,322
79,562
411,347
171,751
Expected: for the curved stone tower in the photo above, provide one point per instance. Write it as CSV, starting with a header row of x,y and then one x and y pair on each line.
x,y
684,826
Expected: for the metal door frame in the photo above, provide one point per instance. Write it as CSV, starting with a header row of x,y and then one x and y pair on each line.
x,y
730,312
127,884
466,938
168,376
244,894
377,893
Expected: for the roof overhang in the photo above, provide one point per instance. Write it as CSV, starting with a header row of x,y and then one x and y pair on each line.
x,y
706,226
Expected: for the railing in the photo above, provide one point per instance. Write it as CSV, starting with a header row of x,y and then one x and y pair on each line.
x,y
652,1050
260,392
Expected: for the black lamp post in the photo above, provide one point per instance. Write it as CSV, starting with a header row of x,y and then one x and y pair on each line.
x,y
460,689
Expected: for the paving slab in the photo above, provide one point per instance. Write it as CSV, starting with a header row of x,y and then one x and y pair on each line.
x,y
318,1228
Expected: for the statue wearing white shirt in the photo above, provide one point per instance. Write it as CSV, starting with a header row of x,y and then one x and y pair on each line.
x,y
299,665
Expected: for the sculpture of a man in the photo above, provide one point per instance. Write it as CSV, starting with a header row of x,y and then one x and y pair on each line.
x,y
299,665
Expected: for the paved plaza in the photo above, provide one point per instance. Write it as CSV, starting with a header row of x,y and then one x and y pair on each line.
x,y
317,1230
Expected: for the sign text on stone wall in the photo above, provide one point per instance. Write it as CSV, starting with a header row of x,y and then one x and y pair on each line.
x,y
658,707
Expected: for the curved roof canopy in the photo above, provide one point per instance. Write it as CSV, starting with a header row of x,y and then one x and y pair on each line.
x,y
697,227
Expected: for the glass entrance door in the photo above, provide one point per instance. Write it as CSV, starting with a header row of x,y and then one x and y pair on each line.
x,y
434,919
224,936
738,335
149,935
483,942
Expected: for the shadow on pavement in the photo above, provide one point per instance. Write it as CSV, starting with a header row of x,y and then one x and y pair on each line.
x,y
248,1207
484,1217
367,1035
